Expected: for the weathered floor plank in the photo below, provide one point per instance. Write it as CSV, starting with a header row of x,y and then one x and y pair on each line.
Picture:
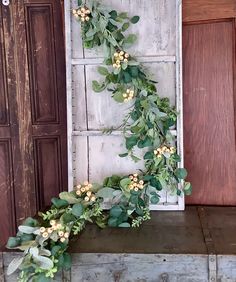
x,y
170,247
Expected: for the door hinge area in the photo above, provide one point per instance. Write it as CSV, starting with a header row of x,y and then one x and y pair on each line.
x,y
5,2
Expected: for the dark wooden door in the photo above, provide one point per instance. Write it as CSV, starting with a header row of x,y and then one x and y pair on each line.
x,y
33,146
210,100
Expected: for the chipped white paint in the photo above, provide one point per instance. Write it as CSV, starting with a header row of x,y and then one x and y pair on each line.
x,y
95,155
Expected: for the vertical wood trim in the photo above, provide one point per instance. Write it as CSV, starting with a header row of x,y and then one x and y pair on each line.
x,y
23,150
179,91
67,7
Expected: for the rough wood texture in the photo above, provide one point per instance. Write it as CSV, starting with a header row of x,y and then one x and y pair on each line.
x,y
198,10
95,156
164,233
209,99
170,247
159,40
145,268
33,109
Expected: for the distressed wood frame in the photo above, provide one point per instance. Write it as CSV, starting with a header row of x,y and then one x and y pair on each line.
x,y
180,205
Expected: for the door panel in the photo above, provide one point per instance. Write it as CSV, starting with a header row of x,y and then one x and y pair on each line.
x,y
209,109
199,10
7,214
40,34
4,116
33,116
49,173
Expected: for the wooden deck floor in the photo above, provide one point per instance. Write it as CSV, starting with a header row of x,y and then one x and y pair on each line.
x,y
197,230
197,245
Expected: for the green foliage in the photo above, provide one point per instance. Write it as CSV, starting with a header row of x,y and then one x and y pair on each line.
x,y
13,242
59,203
134,19
44,242
77,210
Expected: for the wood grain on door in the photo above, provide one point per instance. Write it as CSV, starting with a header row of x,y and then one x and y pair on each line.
x,y
209,101
33,148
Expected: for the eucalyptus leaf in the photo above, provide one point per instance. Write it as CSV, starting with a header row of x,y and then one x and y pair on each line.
x,y
59,203
148,155
134,19
187,188
30,222
14,265
154,200
77,210
67,218
106,50
125,26
103,23
112,40
98,87
27,229
123,15
130,40
44,252
105,193
24,246
118,97
67,261
113,14
43,262
13,242
34,251
124,225
112,221
55,250
69,197
116,211
103,71
125,182
181,173
42,278
131,142
123,155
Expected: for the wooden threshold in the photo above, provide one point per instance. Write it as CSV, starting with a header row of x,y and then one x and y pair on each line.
x,y
197,230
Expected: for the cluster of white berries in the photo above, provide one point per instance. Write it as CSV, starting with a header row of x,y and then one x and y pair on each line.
x,y
164,149
85,191
135,184
82,14
128,95
55,227
120,57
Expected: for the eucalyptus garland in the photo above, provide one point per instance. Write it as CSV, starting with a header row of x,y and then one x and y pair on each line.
x,y
147,126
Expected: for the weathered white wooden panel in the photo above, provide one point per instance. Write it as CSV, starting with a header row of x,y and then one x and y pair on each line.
x,y
157,26
76,41
104,161
172,198
80,159
79,103
159,47
226,268
101,110
134,268
89,267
